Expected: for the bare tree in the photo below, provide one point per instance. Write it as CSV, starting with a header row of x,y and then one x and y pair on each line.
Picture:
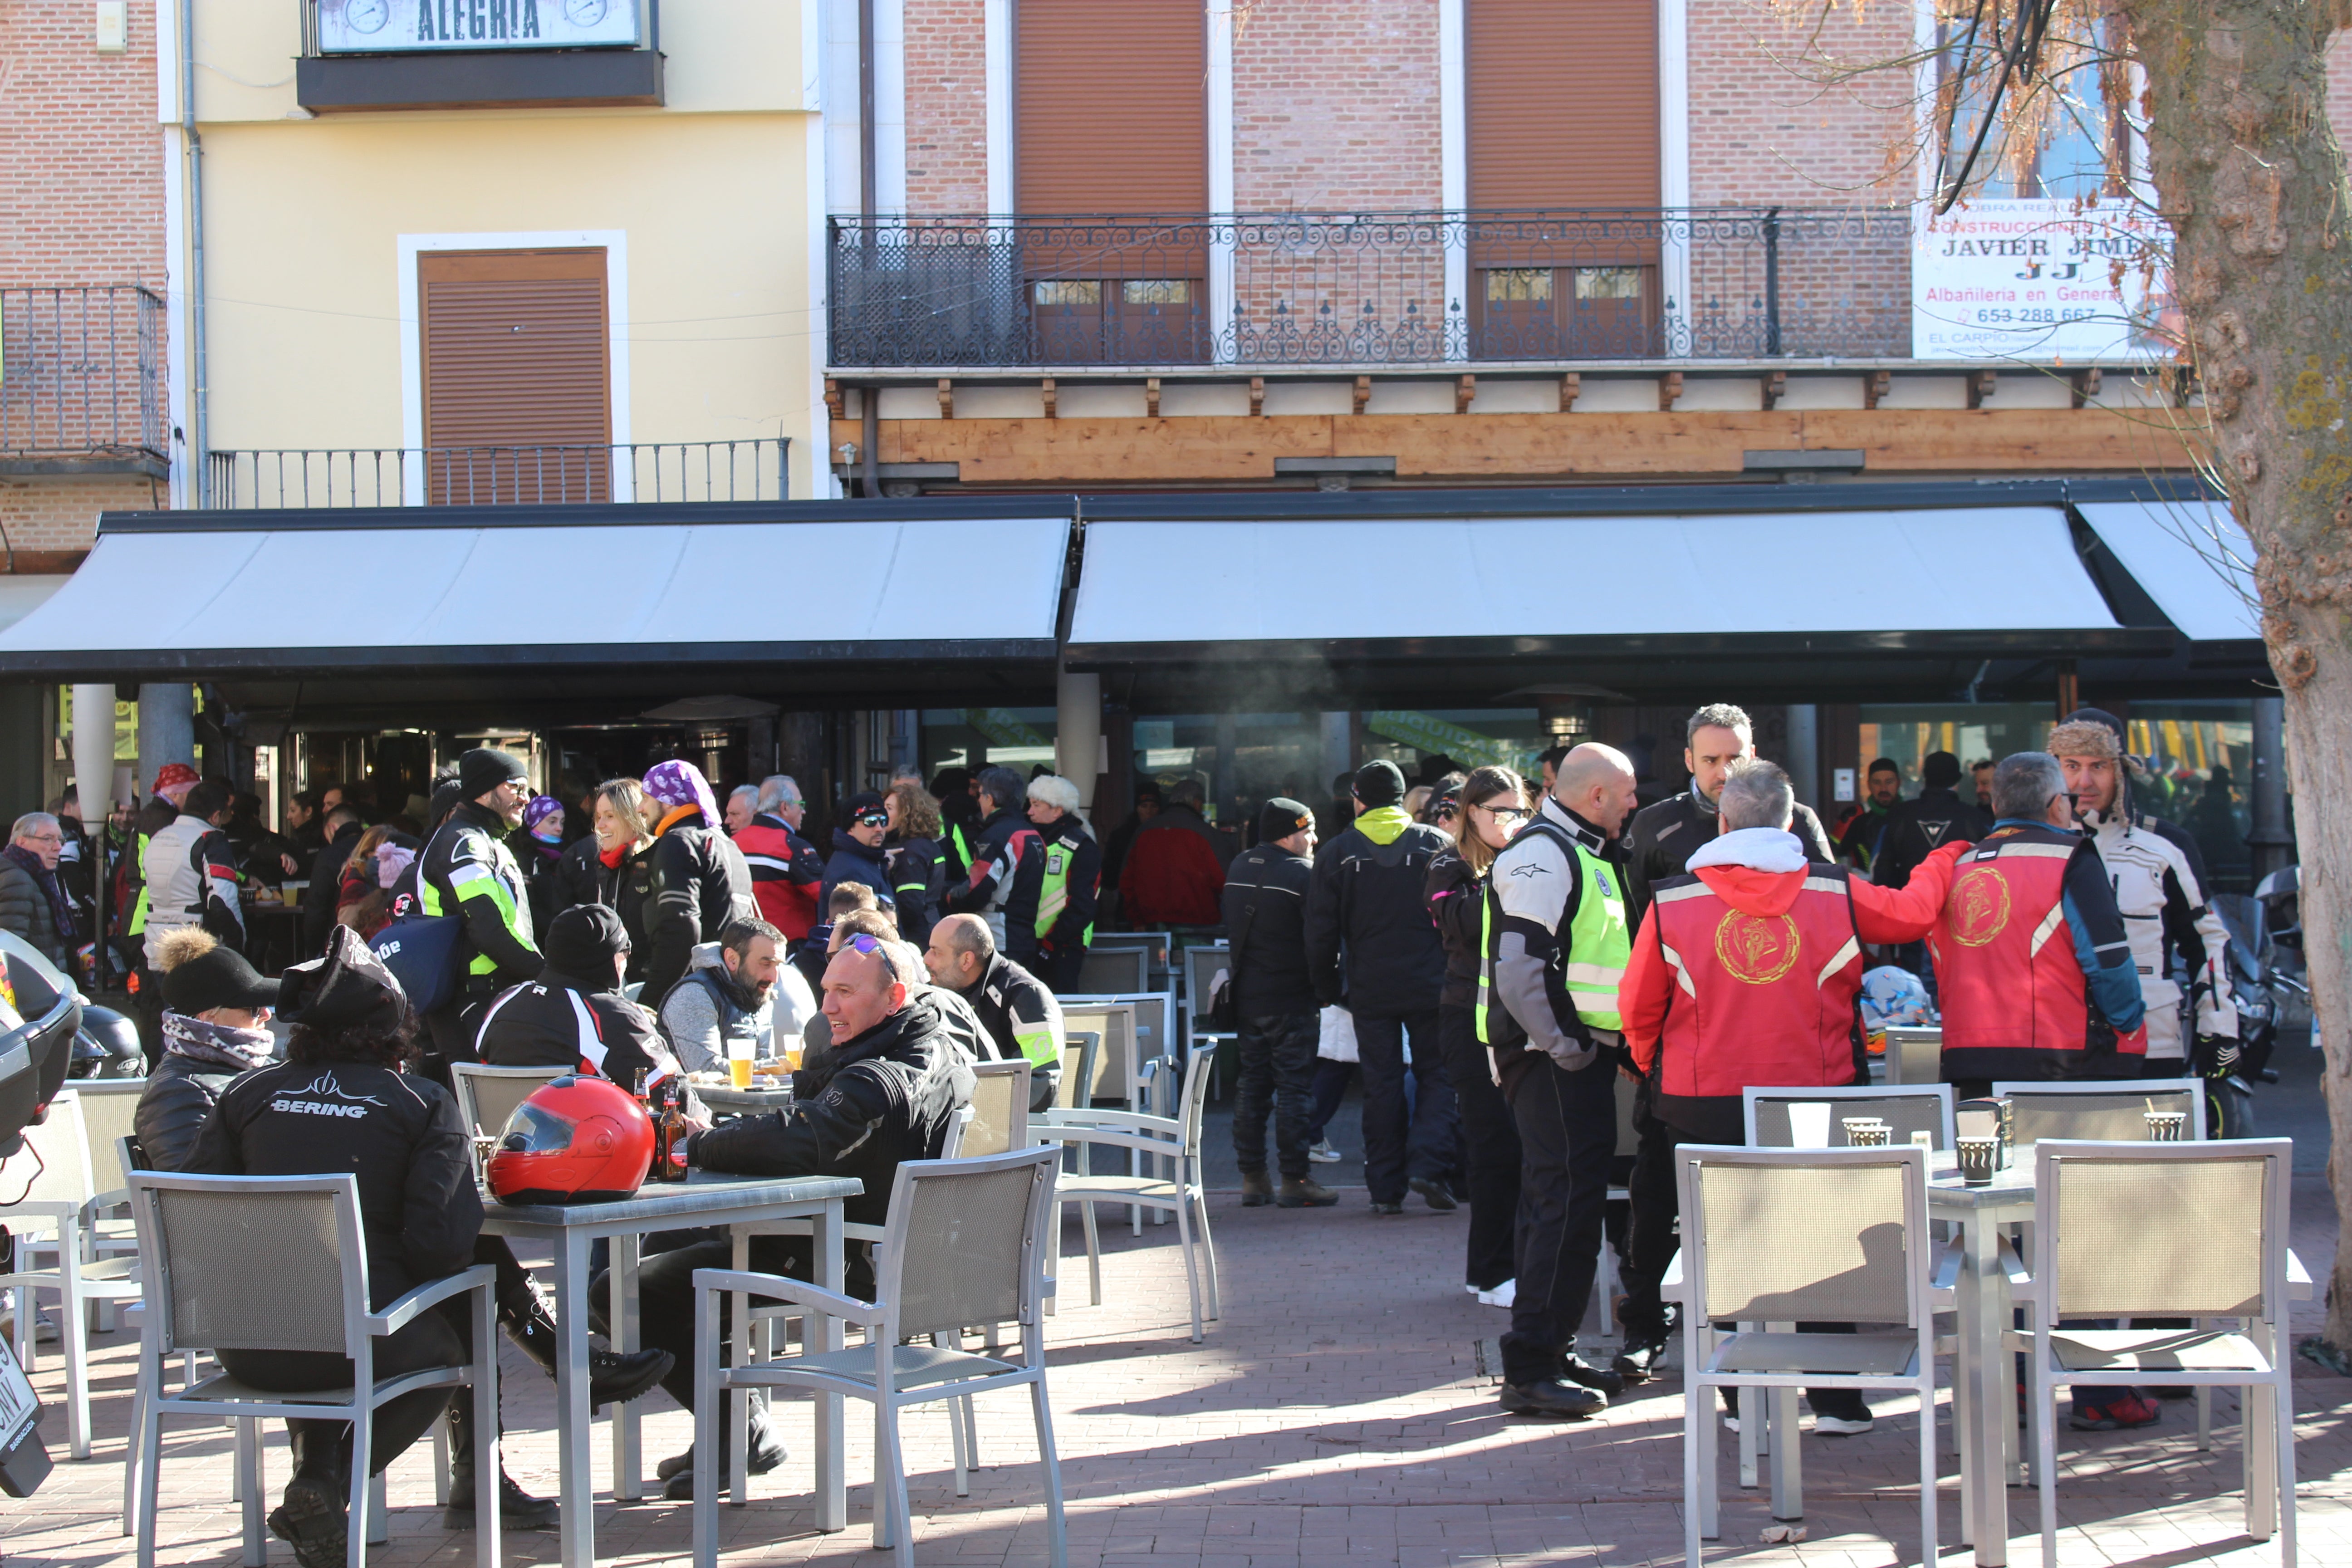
x,y
2231,99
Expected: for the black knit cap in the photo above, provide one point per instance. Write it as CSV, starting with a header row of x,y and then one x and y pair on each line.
x,y
1380,782
221,978
485,768
347,988
1280,817
584,940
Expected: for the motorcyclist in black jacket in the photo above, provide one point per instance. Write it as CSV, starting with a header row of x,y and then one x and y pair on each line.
x,y
884,1095
701,883
573,1016
466,869
1661,838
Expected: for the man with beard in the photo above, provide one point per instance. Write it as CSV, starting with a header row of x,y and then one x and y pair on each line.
x,y
729,995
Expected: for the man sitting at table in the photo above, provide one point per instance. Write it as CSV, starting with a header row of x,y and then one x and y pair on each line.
x,y
886,1093
574,1016
1746,974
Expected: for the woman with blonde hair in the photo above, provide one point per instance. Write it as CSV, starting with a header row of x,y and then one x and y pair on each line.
x,y
613,866
911,852
1492,806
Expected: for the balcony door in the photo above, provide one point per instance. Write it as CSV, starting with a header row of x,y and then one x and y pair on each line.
x,y
1563,153
1111,142
517,376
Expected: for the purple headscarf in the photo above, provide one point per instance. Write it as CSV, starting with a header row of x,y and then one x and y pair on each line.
x,y
540,809
677,784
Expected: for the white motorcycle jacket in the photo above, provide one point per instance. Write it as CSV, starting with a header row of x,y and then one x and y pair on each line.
x,y
2165,912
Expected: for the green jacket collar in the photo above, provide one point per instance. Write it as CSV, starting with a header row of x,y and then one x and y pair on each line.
x,y
1382,824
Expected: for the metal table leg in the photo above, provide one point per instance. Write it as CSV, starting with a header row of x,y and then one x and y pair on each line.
x,y
578,1525
1993,1400
621,1314
831,1491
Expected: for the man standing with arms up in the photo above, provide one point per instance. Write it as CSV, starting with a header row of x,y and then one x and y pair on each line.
x,y
1663,837
1547,1011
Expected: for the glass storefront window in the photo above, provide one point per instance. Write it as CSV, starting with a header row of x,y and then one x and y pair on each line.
x,y
1016,738
2200,761
1905,732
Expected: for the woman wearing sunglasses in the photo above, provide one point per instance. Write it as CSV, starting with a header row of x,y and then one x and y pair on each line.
x,y
1490,806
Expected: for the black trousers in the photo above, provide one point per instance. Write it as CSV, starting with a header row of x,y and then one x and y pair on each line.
x,y
1568,1137
439,1337
1275,1077
1490,1151
666,1314
1399,1146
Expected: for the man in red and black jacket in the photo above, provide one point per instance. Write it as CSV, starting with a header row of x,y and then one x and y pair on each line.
x,y
786,870
1004,838
1745,973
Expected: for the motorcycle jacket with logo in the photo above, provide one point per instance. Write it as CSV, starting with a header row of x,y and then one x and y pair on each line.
x,y
1556,944
2166,917
2033,964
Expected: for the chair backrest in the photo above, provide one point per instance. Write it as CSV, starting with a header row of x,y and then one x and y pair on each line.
x,y
1915,1054
1079,1050
2191,1230
1193,1109
107,1112
1202,967
999,1109
273,1263
959,1129
964,1241
1904,1107
1117,1062
132,1156
1107,971
1809,1235
2108,1112
1155,1018
55,1166
487,1096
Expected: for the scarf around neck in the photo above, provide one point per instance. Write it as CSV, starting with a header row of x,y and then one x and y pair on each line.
x,y
216,1044
60,908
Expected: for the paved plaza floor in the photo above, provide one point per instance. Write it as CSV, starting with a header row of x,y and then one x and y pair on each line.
x,y
1337,1414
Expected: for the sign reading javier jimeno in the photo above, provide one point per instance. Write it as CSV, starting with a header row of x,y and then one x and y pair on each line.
x,y
2037,280
385,27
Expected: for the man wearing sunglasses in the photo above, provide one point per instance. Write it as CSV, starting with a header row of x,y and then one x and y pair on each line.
x,y
857,851
1664,836
884,1094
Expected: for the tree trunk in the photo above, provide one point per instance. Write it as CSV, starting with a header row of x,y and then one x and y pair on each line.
x,y
2249,174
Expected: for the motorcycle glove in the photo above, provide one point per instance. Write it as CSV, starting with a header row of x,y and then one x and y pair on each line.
x,y
2216,1055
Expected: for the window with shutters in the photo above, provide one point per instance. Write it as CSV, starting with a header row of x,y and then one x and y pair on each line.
x,y
1563,164
1111,124
518,376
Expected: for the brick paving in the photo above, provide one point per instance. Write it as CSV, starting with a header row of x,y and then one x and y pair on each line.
x,y
1337,1415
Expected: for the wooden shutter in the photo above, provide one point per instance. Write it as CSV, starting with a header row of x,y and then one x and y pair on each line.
x,y
1563,103
1111,106
518,376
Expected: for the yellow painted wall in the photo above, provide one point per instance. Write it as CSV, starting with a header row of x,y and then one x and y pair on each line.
x,y
303,219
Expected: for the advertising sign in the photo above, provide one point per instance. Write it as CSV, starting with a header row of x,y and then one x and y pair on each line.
x,y
385,27
2048,280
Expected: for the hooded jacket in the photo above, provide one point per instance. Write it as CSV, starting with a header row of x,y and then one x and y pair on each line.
x,y
700,886
1688,1019
562,1020
1371,944
876,1101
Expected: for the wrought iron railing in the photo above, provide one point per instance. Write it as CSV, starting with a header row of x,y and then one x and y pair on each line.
x,y
82,373
671,471
1294,288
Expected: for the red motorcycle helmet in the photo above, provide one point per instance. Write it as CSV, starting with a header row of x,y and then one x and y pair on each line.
x,y
576,1140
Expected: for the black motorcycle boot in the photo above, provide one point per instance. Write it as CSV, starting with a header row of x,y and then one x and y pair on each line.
x,y
613,1378
311,1517
517,1510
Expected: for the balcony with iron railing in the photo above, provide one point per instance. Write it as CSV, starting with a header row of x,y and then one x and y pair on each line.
x,y
1369,290
757,470
82,382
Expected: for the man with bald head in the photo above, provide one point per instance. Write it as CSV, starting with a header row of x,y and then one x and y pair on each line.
x,y
884,1095
1022,1017
1547,1011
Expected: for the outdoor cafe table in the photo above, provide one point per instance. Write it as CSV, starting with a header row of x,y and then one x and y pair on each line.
x,y
701,1200
1987,1417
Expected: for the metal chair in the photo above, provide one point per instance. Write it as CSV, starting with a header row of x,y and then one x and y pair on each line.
x,y
1107,971
964,1244
1079,1049
1906,1109
999,1109
2168,1230
57,1215
1776,1237
1177,1139
279,1263
2104,1112
487,1096
1915,1054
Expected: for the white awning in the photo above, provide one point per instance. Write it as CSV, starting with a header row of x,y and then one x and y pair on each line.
x,y
1891,579
20,596
2192,556
326,596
